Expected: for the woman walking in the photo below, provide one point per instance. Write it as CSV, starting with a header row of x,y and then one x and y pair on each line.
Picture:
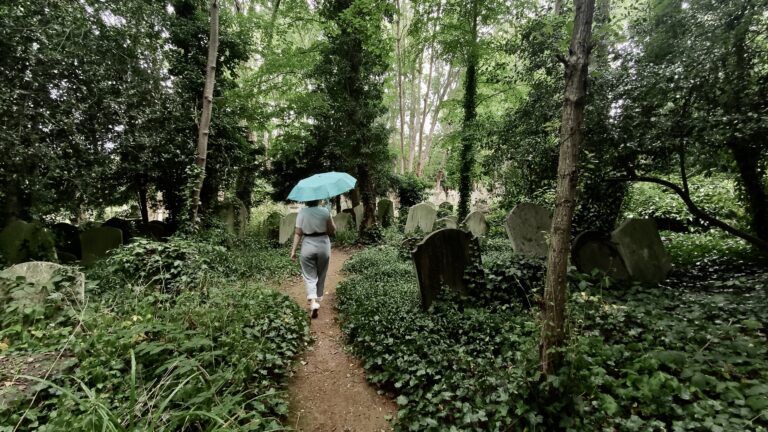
x,y
313,226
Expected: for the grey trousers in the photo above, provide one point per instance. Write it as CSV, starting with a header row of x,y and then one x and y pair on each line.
x,y
315,255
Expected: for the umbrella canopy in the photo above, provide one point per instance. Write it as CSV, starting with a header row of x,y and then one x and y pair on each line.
x,y
322,186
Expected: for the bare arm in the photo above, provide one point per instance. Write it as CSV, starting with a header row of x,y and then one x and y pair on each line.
x,y
330,227
298,234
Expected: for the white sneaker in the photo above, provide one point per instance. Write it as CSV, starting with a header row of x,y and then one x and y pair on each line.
x,y
315,307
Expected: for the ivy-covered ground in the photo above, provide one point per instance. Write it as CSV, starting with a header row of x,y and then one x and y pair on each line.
x,y
174,336
689,355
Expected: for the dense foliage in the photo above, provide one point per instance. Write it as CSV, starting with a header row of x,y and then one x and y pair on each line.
x,y
689,355
167,340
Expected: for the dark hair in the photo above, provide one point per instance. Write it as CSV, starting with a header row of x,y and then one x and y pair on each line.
x,y
313,203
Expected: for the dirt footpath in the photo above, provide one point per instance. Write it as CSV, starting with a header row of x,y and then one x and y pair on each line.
x,y
328,391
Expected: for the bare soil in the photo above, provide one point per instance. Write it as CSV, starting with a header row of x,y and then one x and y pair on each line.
x,y
328,391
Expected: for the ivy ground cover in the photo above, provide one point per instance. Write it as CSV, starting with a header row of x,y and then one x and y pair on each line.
x,y
687,356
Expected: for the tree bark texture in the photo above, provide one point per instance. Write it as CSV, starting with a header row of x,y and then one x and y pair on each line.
x,y
470,114
414,108
204,126
571,138
450,80
143,204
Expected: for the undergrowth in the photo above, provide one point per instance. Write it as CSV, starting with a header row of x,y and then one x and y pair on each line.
x,y
174,336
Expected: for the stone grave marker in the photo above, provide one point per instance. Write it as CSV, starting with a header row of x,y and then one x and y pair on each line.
x,y
40,273
476,224
446,222
385,212
359,213
441,260
287,227
22,241
67,240
421,216
123,225
270,227
639,244
593,250
343,221
527,227
97,242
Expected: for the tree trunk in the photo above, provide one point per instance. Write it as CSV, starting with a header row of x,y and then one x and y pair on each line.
x,y
414,108
571,137
368,198
450,79
424,111
753,183
143,206
470,114
558,7
205,116
400,97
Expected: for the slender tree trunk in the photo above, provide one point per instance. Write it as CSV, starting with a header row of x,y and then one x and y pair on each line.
x,y
415,104
470,114
558,7
205,116
400,96
450,80
571,138
143,206
424,111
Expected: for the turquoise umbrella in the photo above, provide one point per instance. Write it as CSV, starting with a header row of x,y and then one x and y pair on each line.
x,y
322,186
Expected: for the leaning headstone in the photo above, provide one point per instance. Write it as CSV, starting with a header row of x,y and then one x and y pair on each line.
x,y
123,225
421,216
527,226
67,239
97,242
359,211
227,215
287,227
42,273
639,244
343,222
385,212
592,250
476,224
447,222
270,228
441,260
22,241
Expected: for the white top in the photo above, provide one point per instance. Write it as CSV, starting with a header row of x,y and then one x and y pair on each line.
x,y
313,220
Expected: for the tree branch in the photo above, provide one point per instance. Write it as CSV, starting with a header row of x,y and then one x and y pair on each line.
x,y
695,210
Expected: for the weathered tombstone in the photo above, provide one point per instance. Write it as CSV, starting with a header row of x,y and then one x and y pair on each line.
x,y
593,250
270,228
42,273
385,212
476,224
123,225
287,227
527,226
97,242
343,222
421,216
359,211
22,241
441,260
639,244
67,240
447,222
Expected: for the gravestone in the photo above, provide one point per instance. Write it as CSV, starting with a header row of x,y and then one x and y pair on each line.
x,y
593,250
441,260
421,216
41,273
123,225
476,224
97,242
343,222
287,227
639,244
385,212
447,222
22,241
150,231
527,227
359,212
270,228
161,228
67,240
